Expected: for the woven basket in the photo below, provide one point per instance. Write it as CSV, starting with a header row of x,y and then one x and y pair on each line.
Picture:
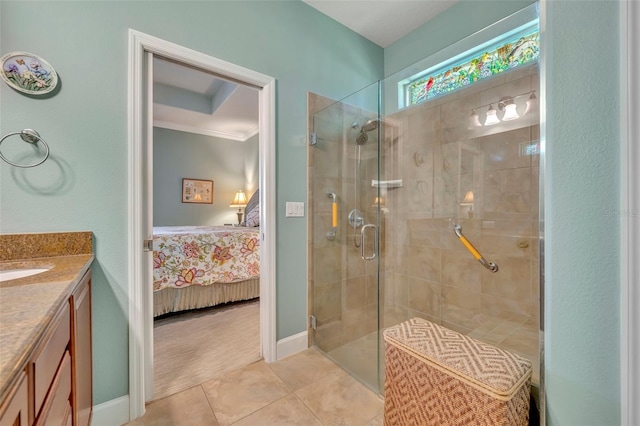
x,y
436,377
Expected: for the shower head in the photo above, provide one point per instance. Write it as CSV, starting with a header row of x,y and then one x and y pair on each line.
x,y
370,125
362,138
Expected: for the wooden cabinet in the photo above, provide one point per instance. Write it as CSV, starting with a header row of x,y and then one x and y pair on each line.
x,y
55,387
57,407
81,353
14,410
46,362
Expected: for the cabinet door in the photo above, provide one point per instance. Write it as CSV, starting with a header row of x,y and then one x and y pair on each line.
x,y
82,391
13,411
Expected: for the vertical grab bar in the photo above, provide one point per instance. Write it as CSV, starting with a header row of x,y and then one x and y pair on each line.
x,y
334,216
375,241
489,265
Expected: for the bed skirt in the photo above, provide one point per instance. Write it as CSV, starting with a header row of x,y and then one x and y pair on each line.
x,y
194,297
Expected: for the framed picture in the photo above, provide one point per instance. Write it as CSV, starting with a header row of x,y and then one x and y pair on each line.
x,y
197,191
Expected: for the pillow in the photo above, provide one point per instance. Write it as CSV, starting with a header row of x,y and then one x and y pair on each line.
x,y
253,217
252,203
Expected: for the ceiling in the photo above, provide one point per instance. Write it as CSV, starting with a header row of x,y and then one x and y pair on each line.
x,y
381,21
191,100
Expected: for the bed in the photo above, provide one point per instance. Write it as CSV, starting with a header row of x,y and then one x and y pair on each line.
x,y
201,266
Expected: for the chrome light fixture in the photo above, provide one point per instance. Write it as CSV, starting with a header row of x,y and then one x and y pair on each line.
x,y
509,108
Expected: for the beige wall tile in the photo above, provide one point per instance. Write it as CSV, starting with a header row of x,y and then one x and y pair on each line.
x,y
424,296
424,263
327,301
355,292
512,281
460,270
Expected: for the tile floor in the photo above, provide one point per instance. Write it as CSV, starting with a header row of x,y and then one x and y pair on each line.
x,y
303,389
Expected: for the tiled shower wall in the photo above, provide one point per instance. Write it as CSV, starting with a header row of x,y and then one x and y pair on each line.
x,y
427,271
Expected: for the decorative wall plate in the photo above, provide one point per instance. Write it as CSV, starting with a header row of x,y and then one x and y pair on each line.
x,y
28,73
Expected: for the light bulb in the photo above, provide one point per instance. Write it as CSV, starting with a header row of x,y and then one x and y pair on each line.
x,y
474,120
510,112
492,116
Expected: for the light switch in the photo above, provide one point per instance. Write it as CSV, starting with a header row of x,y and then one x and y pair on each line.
x,y
294,209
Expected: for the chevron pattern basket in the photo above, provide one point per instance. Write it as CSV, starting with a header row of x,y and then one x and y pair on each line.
x,y
436,376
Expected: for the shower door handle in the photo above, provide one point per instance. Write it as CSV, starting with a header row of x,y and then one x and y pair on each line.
x,y
363,231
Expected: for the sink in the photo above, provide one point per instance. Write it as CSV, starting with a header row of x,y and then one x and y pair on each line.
x,y
13,274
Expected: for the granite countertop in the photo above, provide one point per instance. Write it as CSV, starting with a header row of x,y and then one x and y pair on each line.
x,y
28,305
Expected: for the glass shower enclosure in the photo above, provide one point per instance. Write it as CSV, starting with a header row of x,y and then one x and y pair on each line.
x,y
398,177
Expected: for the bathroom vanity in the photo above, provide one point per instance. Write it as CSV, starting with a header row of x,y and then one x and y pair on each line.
x,y
45,335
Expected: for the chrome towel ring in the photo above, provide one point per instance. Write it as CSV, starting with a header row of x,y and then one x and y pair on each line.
x,y
29,136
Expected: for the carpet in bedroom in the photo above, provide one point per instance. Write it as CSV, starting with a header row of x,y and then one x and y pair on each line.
x,y
196,346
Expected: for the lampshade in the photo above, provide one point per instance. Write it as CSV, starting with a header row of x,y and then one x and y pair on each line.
x,y
492,116
468,199
378,201
510,112
240,200
197,197
532,103
474,120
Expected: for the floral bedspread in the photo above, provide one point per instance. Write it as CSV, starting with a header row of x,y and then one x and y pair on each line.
x,y
204,255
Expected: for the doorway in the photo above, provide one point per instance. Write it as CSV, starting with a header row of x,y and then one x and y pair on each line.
x,y
206,309
142,48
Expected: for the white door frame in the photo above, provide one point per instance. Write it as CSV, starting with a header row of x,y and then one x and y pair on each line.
x,y
140,320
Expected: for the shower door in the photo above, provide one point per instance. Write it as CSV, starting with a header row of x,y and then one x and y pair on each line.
x,y
345,224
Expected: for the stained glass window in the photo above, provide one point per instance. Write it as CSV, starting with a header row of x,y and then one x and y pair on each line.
x,y
503,56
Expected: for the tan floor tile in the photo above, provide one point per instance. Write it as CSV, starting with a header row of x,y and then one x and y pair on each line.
x,y
241,392
339,399
187,408
378,421
303,368
288,411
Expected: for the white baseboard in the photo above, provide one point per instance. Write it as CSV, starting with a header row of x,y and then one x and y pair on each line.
x,y
291,345
111,413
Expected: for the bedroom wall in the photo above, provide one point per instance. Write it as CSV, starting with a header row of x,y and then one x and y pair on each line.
x,y
582,242
83,186
178,155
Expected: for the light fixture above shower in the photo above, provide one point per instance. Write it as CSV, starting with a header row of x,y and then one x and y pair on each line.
x,y
507,105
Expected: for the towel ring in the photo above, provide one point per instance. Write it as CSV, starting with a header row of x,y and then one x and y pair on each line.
x,y
29,136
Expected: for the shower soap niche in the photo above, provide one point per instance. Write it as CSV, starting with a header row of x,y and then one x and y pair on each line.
x,y
386,184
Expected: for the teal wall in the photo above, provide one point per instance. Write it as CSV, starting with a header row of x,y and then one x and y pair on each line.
x,y
455,23
582,342
582,193
83,186
231,165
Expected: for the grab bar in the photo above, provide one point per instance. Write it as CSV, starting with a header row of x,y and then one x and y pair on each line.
x,y
489,265
334,216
